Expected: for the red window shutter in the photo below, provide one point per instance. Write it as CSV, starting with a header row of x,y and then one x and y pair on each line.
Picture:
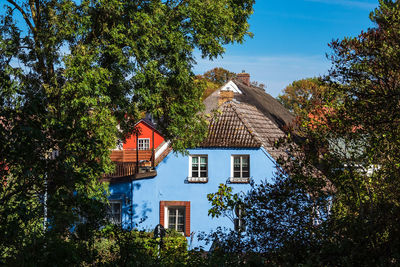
x,y
162,212
187,222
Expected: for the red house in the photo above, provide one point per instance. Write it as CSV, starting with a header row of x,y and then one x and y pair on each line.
x,y
147,137
140,153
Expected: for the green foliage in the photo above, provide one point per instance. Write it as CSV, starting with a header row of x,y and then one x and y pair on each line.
x,y
223,202
116,247
219,75
301,97
70,71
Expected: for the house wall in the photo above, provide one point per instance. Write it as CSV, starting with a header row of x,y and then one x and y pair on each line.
x,y
145,132
171,184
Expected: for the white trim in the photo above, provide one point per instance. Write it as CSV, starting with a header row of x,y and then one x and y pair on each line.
x,y
166,217
233,179
162,149
232,165
197,179
239,180
231,86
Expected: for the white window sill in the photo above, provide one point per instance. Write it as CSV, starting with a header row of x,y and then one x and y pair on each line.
x,y
197,179
237,180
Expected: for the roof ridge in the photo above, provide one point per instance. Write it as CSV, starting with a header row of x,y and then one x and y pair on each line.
x,y
250,129
266,104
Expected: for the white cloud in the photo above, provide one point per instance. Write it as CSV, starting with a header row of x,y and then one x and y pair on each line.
x,y
275,71
349,3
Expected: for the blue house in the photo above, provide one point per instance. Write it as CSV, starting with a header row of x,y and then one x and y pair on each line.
x,y
239,148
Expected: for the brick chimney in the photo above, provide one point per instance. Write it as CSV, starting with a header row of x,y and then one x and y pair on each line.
x,y
244,78
225,96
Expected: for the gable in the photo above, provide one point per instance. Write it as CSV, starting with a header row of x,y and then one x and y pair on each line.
x,y
145,131
231,86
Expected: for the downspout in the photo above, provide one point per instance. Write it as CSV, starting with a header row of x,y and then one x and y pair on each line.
x,y
153,154
137,152
131,204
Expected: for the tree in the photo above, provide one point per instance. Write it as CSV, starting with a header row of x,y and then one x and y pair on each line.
x,y
302,96
72,70
219,75
338,205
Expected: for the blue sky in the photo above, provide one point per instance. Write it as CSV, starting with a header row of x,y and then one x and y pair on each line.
x,y
291,39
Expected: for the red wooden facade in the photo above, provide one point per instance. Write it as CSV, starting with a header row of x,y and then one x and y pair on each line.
x,y
146,131
129,161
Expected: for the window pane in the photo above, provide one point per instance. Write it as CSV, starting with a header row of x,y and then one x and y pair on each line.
x,y
245,161
203,174
203,159
143,144
115,207
246,174
236,174
195,167
172,218
195,160
236,168
181,220
180,228
114,212
181,217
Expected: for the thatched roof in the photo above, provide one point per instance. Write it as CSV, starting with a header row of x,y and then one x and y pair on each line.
x,y
265,103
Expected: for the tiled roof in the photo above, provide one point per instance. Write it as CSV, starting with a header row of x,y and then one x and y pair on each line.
x,y
228,129
265,130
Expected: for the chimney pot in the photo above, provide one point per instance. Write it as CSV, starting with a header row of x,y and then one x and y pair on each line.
x,y
244,78
225,96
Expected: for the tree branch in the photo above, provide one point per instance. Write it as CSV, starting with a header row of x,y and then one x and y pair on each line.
x,y
26,17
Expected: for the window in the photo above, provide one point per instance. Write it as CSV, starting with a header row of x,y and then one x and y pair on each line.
x,y
198,168
240,172
176,215
114,211
176,218
119,145
144,143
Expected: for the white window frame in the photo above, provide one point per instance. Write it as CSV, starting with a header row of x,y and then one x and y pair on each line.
x,y
240,179
166,217
143,145
111,213
197,179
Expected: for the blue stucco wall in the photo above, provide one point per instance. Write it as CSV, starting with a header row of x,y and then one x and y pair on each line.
x,y
170,185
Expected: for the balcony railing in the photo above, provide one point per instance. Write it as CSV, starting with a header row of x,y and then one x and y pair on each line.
x,y
132,163
131,155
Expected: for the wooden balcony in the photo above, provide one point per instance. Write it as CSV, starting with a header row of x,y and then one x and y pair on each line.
x,y
131,164
131,155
